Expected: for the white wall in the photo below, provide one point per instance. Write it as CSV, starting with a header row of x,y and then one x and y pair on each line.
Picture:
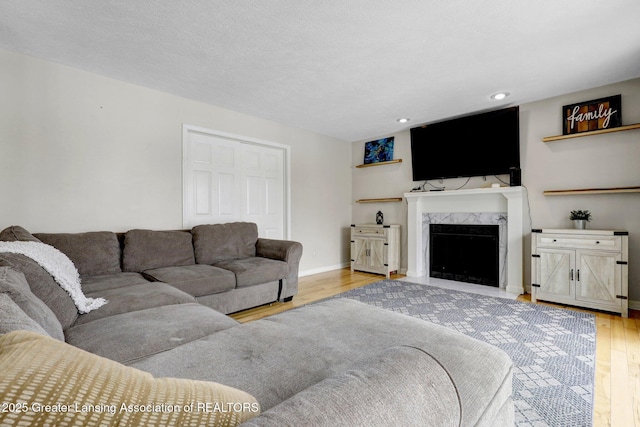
x,y
610,160
82,152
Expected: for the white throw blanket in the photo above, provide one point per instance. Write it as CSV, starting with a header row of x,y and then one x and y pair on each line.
x,y
60,267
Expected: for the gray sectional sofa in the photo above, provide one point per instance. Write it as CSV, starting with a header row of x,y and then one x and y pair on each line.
x,y
224,266
333,363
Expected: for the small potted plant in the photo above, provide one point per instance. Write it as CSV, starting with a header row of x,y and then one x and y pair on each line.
x,y
580,219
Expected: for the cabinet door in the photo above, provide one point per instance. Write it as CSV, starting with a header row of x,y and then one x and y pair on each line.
x,y
360,251
377,258
556,275
598,277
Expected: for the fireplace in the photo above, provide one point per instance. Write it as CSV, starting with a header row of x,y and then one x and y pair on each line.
x,y
465,253
503,206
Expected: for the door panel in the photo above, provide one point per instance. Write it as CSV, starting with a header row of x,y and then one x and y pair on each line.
x,y
376,253
228,179
556,272
361,249
600,277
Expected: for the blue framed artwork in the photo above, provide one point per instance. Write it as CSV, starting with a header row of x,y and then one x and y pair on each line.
x,y
380,150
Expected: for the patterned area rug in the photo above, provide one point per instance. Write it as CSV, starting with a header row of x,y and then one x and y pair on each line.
x,y
553,349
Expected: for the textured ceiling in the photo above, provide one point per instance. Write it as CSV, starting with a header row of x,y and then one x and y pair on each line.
x,y
344,68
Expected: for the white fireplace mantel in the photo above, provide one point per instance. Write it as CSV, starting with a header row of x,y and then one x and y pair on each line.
x,y
479,200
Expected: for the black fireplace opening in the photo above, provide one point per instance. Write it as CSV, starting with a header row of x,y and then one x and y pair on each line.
x,y
465,253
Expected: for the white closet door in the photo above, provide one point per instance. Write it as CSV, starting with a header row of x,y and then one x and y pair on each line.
x,y
230,178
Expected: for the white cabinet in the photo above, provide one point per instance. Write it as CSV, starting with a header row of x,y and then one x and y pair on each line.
x,y
375,248
586,268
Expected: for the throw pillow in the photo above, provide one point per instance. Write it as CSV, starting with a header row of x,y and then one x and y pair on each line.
x,y
15,286
47,382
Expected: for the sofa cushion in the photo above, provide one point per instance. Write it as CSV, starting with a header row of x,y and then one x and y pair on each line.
x,y
111,281
397,382
330,337
219,242
44,287
12,318
147,249
197,280
15,233
60,267
256,270
135,335
93,253
133,298
38,371
14,284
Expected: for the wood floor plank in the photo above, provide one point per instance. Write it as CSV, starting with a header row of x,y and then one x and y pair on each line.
x,y
632,342
636,401
602,385
617,365
621,398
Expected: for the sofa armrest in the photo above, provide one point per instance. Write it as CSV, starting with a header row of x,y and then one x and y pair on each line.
x,y
287,251
400,386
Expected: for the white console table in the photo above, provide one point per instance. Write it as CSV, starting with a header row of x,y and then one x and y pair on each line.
x,y
375,248
587,268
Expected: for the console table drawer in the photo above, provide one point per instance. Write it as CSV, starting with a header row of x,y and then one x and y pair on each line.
x,y
365,231
606,243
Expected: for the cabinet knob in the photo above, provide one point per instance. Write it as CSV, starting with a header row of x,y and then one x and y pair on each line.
x,y
597,242
554,240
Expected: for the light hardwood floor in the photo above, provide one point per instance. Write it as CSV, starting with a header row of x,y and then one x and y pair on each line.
x,y
617,385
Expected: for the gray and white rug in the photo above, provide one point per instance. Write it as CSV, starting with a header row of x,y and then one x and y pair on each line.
x,y
553,349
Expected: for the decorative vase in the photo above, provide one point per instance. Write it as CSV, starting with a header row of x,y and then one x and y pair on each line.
x,y
379,218
579,224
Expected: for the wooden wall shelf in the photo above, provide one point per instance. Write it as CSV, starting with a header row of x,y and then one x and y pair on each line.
x,y
611,190
380,163
593,132
387,199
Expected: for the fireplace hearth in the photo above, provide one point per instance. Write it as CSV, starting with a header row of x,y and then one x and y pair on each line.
x,y
465,253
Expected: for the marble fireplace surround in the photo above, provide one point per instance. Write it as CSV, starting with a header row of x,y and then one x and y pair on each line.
x,y
502,206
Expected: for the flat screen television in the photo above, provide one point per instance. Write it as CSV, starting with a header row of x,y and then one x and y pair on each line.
x,y
477,145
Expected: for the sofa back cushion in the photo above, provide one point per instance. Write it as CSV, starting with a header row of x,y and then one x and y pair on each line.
x,y
147,249
14,285
44,287
94,253
222,242
13,318
40,372
15,233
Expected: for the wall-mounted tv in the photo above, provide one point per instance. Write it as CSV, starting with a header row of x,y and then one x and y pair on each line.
x,y
477,145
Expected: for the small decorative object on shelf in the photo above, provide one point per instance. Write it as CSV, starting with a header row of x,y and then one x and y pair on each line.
x,y
379,217
580,219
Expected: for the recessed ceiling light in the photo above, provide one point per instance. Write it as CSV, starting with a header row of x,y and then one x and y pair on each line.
x,y
403,120
500,95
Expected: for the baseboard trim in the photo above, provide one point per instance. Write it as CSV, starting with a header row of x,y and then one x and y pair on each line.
x,y
323,269
634,305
